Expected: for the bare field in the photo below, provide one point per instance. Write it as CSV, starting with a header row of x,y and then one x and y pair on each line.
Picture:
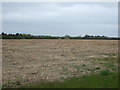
x,y
30,61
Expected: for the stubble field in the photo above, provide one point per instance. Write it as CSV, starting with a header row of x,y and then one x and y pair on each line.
x,y
32,61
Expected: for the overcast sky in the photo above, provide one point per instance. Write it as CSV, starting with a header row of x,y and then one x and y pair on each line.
x,y
59,19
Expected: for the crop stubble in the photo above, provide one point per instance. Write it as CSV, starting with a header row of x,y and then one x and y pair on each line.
x,y
28,61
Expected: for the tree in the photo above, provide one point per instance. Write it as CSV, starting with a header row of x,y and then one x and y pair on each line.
x,y
17,34
67,37
3,33
87,35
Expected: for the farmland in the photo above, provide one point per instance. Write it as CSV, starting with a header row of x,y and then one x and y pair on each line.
x,y
33,61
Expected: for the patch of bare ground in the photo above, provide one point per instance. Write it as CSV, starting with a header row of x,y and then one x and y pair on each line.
x,y
30,61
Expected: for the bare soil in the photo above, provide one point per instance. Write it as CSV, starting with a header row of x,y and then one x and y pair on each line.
x,y
31,61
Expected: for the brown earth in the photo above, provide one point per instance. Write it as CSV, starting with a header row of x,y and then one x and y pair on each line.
x,y
28,61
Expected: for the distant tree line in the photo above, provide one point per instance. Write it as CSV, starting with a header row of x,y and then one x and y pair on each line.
x,y
29,36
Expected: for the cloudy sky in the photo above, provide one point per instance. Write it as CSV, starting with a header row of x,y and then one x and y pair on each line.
x,y
61,18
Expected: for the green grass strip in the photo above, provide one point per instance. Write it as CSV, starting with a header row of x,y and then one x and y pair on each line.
x,y
105,79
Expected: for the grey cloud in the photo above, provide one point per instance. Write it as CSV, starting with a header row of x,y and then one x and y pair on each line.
x,y
61,18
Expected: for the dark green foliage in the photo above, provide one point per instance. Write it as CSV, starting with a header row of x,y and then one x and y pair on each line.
x,y
97,68
105,73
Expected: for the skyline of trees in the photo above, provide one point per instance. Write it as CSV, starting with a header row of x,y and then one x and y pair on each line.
x,y
29,36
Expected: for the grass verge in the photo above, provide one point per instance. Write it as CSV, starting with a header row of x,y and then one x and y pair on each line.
x,y
104,79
